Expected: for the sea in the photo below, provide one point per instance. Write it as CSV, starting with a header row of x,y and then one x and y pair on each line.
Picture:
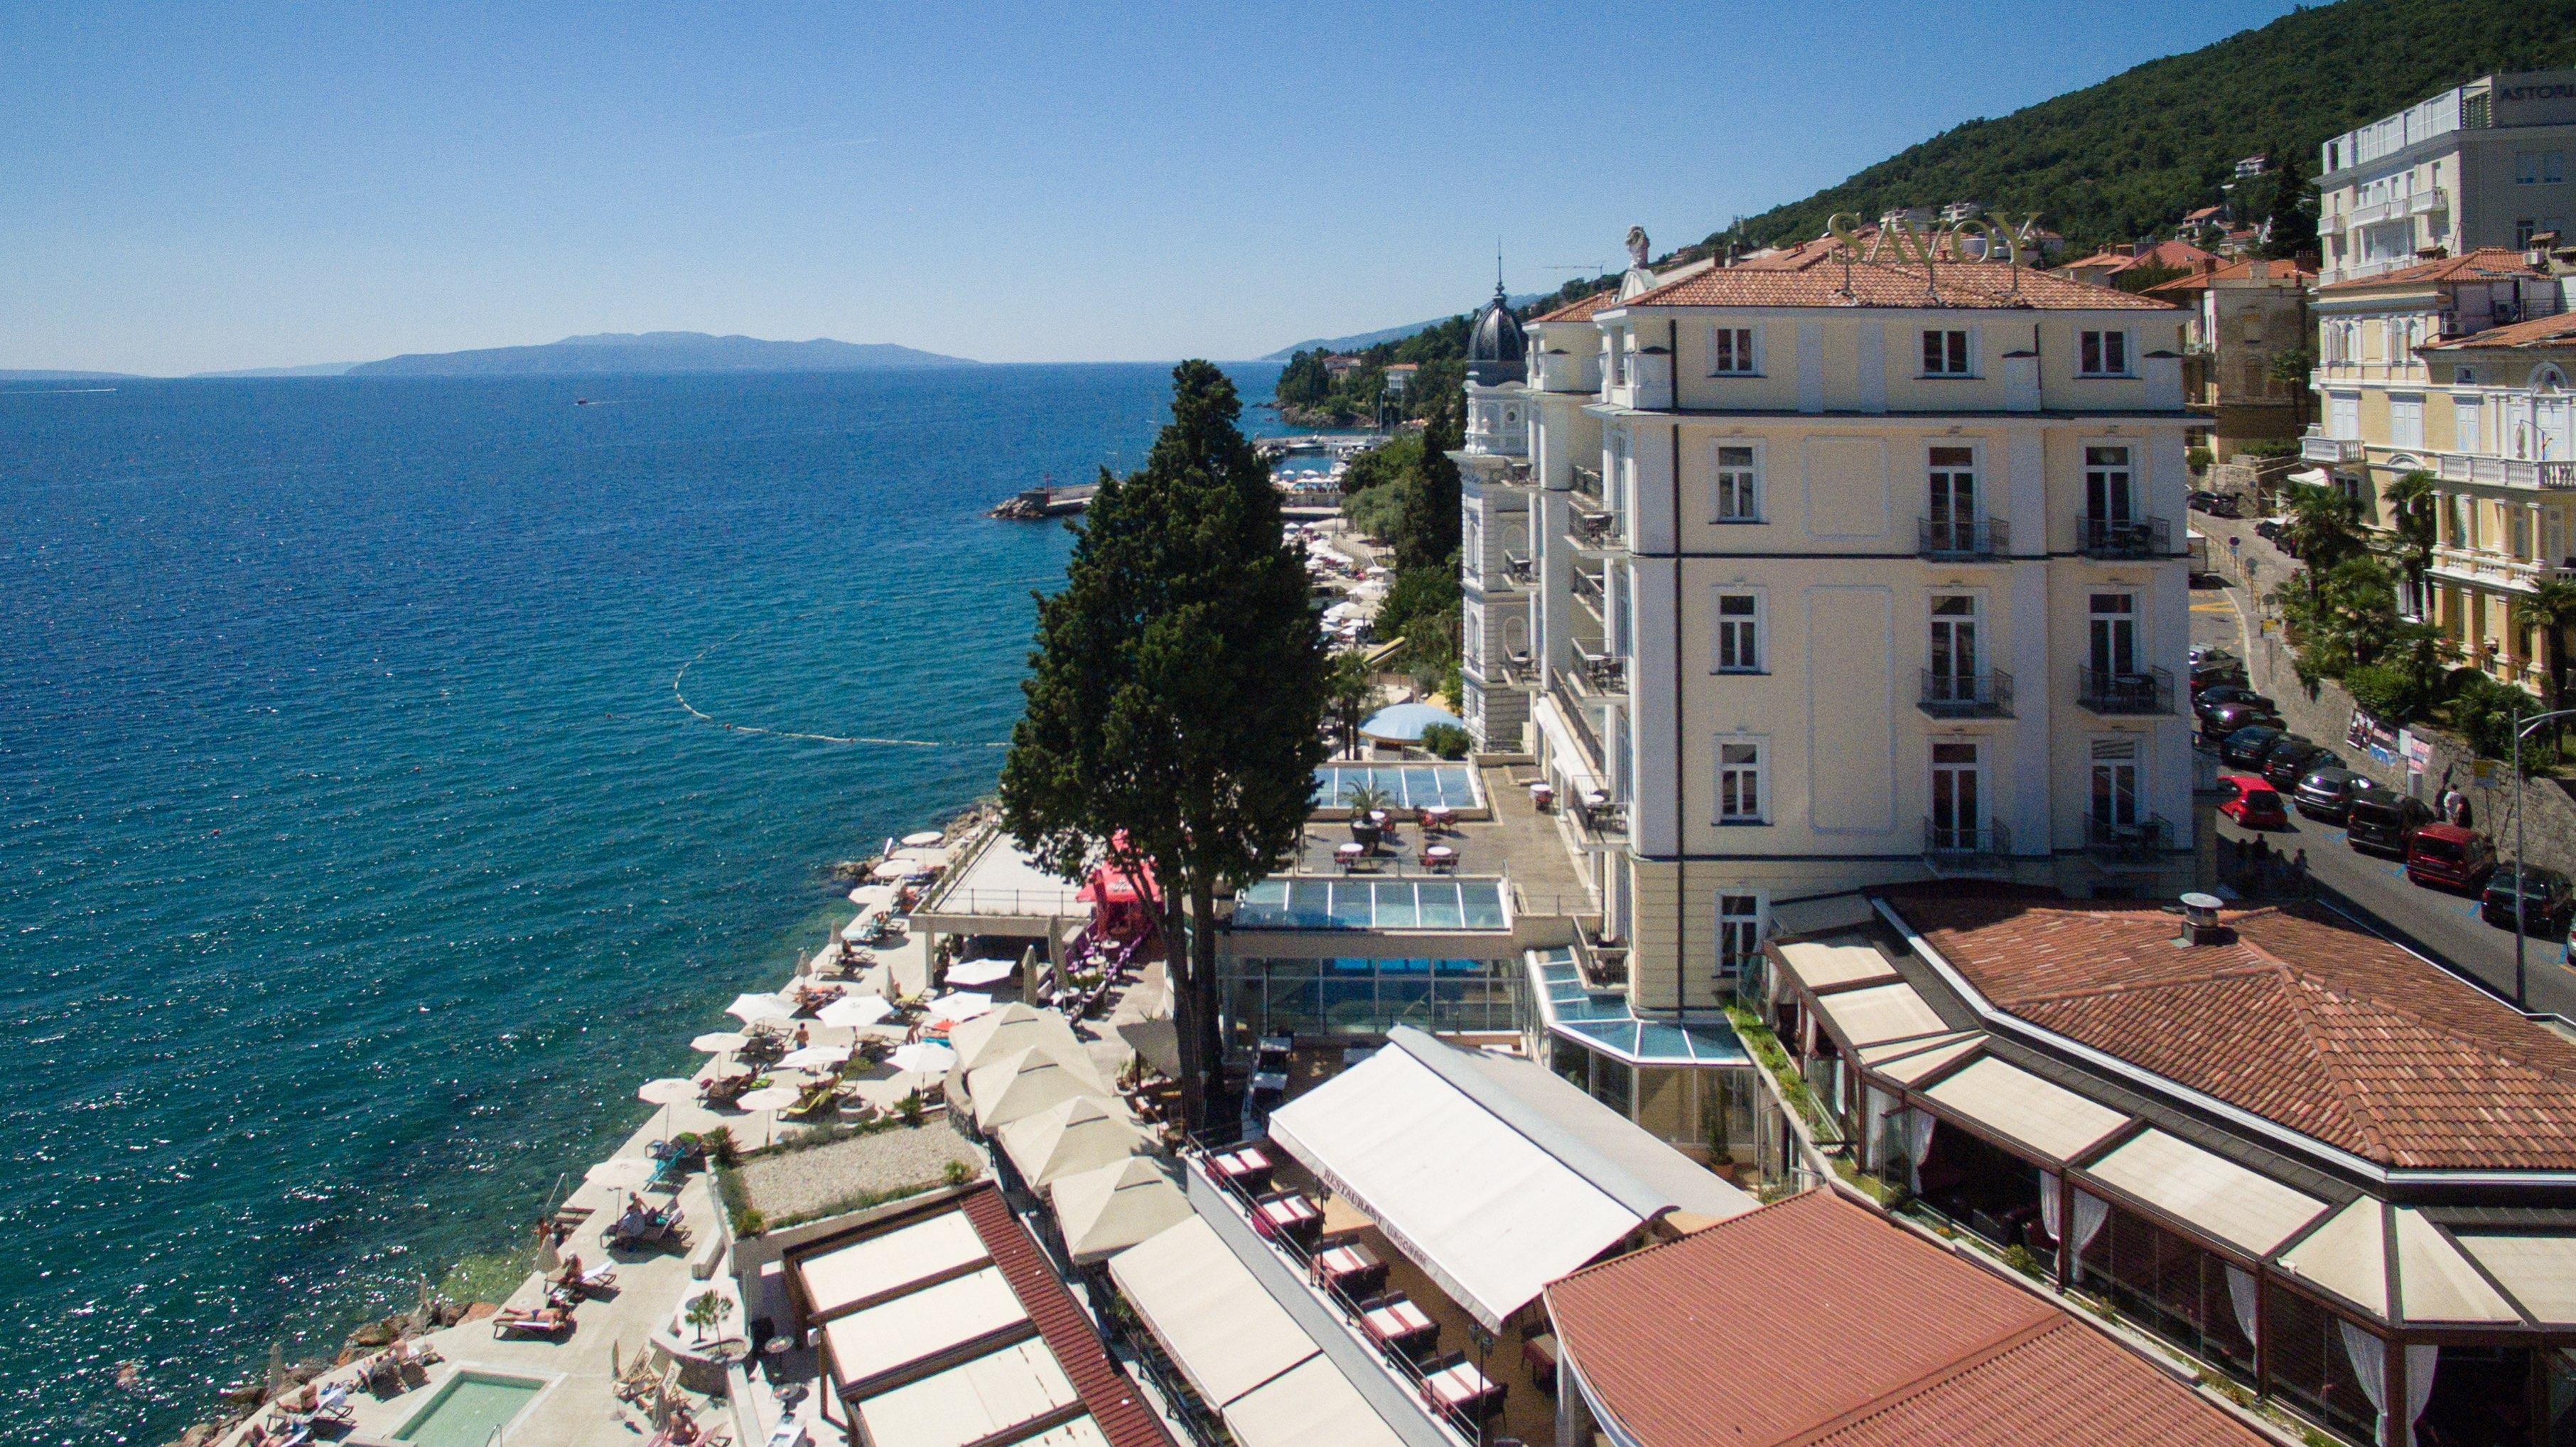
x,y
396,772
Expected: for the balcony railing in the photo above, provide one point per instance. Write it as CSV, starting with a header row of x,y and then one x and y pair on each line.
x,y
1518,568
1967,695
1587,480
2316,447
2110,691
1965,846
1599,673
2504,471
1972,538
2126,841
2100,537
1596,530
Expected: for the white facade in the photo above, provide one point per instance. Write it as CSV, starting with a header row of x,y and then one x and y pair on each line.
x,y
2484,164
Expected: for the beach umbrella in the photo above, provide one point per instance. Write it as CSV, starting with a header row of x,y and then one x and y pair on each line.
x,y
981,972
815,1057
892,868
752,1009
922,840
667,1093
1081,1133
1008,1031
855,1010
720,1042
925,1057
770,1098
1022,1084
619,1173
958,1007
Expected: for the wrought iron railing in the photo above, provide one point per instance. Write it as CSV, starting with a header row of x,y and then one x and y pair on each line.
x,y
2133,840
1967,695
2108,691
1964,538
1965,843
2101,537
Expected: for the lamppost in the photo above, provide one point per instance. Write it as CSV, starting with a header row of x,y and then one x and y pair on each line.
x,y
2521,731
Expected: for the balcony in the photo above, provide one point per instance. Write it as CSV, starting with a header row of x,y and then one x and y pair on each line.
x,y
2332,451
2100,537
1596,531
1967,695
1587,482
2471,565
1518,568
2123,694
1599,675
1956,541
1974,848
2431,201
2504,471
2126,841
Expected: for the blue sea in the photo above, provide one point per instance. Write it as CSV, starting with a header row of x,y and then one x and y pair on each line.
x,y
357,857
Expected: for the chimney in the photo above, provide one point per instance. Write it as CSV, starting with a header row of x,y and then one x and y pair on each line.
x,y
2200,924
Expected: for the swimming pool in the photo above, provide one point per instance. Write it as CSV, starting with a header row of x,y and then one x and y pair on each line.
x,y
469,1409
1407,786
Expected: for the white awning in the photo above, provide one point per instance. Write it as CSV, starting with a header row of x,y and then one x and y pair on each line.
x,y
2537,1271
1103,1212
2247,1210
971,1401
1907,1061
2432,1282
2313,477
1820,966
2049,1119
1022,1084
1225,1333
1080,1134
1310,1405
880,1264
1453,1172
919,1323
1876,1013
1565,753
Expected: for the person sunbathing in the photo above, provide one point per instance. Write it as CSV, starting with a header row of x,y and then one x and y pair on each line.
x,y
547,1318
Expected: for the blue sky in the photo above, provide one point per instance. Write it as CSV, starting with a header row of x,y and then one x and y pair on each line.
x,y
186,188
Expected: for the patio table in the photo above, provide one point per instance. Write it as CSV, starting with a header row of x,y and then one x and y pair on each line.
x,y
1352,1268
1289,1215
1440,857
1461,1388
1247,1168
1398,1323
1438,816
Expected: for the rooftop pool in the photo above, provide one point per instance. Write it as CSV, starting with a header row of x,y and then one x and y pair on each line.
x,y
469,1410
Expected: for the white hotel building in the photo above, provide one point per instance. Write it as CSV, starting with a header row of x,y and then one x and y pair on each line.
x,y
1798,576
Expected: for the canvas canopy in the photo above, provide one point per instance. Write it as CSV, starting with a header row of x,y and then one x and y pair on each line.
x,y
1082,1133
1309,1405
1000,1034
1492,1193
971,1401
1021,1084
1214,1320
2011,1102
919,1323
2243,1208
1876,1013
1105,1210
1563,751
1820,966
882,1264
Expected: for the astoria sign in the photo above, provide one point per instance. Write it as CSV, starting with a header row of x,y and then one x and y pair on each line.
x,y
1902,240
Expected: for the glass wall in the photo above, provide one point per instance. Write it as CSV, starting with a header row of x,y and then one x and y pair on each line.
x,y
1706,1108
2171,1287
2311,1364
1359,996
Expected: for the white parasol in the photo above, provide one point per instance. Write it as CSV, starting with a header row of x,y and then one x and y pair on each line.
x,y
770,1097
921,840
667,1093
894,868
619,1173
856,1010
981,972
815,1057
720,1042
927,1057
959,1007
752,1009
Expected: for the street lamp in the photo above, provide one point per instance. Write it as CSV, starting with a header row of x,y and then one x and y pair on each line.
x,y
2522,731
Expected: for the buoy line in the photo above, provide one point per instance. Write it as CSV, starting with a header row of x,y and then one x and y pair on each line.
x,y
681,695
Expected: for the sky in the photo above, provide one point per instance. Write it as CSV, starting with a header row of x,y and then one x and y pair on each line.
x,y
187,188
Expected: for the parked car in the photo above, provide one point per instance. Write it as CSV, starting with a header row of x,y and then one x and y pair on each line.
x,y
2232,718
2380,820
2545,894
2217,673
2327,792
2268,529
2283,766
2200,655
2446,856
2220,505
2218,693
2246,747
2252,802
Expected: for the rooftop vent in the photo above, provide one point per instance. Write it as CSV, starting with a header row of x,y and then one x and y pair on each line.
x,y
2200,924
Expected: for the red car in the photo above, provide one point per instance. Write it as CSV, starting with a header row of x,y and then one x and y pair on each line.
x,y
2252,802
2447,856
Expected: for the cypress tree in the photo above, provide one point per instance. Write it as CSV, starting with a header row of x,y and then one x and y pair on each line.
x,y
1175,695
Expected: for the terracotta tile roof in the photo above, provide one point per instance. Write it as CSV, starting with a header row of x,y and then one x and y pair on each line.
x,y
1580,311
2485,263
2301,1019
1814,1321
1107,1394
2557,331
1811,276
2242,270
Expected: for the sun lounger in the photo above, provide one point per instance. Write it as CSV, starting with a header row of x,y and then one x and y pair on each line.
x,y
644,1227
545,1321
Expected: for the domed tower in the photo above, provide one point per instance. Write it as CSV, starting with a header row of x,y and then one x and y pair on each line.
x,y
1497,352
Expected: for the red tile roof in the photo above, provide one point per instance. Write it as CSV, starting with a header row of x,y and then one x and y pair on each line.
x,y
2273,270
2557,331
2301,1019
1815,1321
2484,264
1582,310
1812,276
1107,1394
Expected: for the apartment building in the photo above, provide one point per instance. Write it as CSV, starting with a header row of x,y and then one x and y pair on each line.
x,y
2481,165
1844,572
2394,398
2243,317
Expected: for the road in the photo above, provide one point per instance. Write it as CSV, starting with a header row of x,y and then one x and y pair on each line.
x,y
2444,926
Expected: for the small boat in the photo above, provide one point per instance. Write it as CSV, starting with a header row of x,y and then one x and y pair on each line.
x,y
581,401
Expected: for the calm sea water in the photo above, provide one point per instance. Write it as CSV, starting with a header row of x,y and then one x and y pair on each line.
x,y
356,860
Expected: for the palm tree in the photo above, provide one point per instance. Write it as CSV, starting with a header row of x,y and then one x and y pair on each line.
x,y
2325,526
2411,501
1348,692
2549,607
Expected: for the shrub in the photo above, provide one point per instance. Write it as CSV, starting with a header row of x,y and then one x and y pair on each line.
x,y
2198,459
1447,740
910,1108
957,1173
2385,691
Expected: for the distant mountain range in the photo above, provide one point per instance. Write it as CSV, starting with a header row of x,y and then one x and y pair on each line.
x,y
39,375
631,352
1358,340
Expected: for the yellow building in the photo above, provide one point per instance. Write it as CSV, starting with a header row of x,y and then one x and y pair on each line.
x,y
2409,378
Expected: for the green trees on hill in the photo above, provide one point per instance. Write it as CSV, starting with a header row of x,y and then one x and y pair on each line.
x,y
2130,156
1405,493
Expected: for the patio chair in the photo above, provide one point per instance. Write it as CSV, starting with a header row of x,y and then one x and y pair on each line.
x,y
726,1089
817,1098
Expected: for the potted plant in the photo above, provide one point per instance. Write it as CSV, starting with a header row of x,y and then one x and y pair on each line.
x,y
1366,801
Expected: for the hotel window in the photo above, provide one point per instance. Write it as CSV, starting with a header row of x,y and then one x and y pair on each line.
x,y
2114,635
1739,485
2115,782
2343,415
2105,354
1739,934
1740,798
1945,354
1731,353
2405,420
2539,168
2464,424
1739,633
1958,806
2518,521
